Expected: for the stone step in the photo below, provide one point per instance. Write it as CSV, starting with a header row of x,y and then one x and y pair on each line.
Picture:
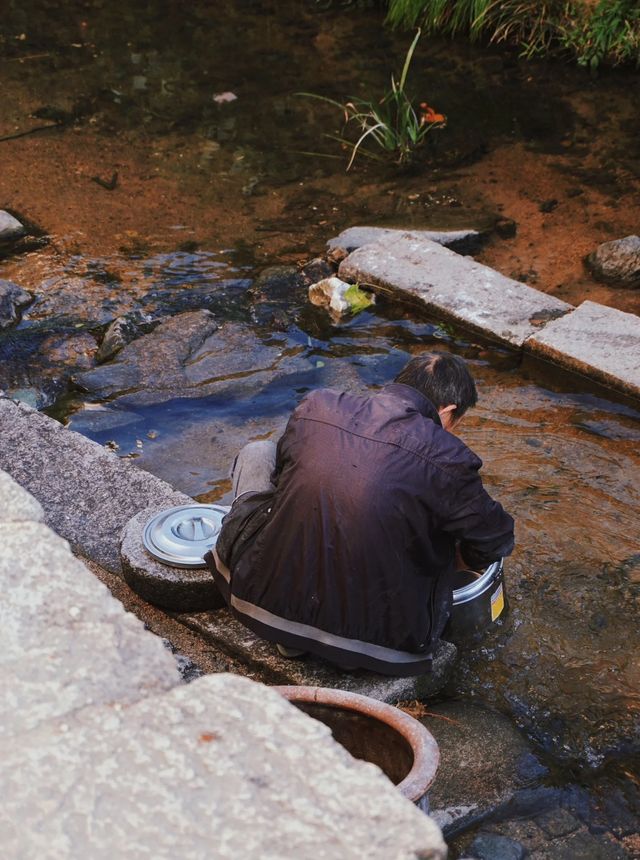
x,y
597,341
452,286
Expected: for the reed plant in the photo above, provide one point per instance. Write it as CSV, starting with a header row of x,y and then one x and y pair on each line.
x,y
393,124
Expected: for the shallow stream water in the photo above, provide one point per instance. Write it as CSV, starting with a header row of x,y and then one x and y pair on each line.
x,y
563,460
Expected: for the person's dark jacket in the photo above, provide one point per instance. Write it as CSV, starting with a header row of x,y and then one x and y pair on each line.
x,y
349,557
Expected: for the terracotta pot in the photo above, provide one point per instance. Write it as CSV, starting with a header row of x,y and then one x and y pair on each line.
x,y
370,730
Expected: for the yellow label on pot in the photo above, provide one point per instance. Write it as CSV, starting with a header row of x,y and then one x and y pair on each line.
x,y
497,602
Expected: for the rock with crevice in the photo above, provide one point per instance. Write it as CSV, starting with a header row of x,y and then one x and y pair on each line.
x,y
12,299
122,331
617,262
188,355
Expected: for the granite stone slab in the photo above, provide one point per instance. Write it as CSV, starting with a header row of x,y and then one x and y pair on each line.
x,y
65,642
462,241
442,282
601,342
221,768
16,505
88,493
228,634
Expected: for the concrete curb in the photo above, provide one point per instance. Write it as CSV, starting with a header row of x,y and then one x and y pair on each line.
x,y
596,341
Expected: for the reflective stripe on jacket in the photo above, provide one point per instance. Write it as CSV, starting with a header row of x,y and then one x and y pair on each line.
x,y
349,558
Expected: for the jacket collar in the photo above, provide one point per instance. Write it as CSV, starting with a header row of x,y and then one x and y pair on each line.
x,y
414,398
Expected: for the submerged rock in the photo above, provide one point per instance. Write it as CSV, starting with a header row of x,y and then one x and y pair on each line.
x,y
12,298
617,262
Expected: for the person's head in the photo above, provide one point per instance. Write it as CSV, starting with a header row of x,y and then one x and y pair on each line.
x,y
445,380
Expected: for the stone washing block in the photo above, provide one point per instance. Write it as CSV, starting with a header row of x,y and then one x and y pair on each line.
x,y
230,636
222,768
88,493
601,342
449,285
65,642
174,588
462,241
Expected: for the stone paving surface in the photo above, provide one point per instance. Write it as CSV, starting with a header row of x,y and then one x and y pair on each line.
x,y
446,283
104,753
597,341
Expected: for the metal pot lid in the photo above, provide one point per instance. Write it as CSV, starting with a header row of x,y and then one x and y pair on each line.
x,y
181,536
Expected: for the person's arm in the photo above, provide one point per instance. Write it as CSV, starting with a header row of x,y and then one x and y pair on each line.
x,y
482,527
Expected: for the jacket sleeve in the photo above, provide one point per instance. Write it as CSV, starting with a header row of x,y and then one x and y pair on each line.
x,y
483,527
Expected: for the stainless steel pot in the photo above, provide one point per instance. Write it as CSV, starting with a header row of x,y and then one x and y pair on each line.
x,y
479,600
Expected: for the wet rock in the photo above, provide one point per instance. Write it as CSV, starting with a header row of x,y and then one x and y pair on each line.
x,y
464,241
173,588
10,228
121,332
75,351
480,752
599,342
155,361
617,262
558,822
277,295
190,356
490,846
318,269
79,300
12,299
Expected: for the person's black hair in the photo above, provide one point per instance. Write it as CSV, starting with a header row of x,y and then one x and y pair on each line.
x,y
443,378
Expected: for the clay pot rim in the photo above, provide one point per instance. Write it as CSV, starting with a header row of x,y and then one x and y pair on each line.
x,y
426,754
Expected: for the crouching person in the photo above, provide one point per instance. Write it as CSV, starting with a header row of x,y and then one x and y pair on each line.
x,y
341,541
